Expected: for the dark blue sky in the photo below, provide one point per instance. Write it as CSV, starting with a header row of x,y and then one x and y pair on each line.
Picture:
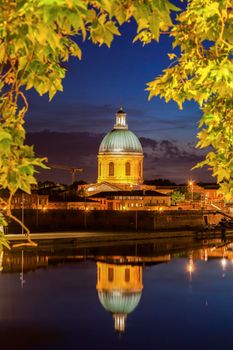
x,y
93,89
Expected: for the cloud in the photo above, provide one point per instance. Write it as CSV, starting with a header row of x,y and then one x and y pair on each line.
x,y
170,159
162,158
75,116
72,115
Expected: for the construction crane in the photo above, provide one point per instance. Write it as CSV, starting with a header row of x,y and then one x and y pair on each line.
x,y
72,170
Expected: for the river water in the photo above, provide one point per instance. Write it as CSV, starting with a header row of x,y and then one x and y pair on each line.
x,y
165,294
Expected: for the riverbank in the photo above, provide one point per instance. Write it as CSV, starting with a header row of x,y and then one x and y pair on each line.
x,y
96,238
115,221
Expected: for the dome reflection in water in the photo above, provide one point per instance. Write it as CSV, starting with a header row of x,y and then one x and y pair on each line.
x,y
119,290
184,300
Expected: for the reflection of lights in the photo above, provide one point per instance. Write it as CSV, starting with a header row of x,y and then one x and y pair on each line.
x,y
206,255
224,263
190,267
21,274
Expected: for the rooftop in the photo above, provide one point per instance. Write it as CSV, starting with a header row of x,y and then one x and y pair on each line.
x,y
133,193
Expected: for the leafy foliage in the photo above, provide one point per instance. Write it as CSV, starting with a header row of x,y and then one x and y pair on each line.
x,y
36,38
203,72
3,241
177,197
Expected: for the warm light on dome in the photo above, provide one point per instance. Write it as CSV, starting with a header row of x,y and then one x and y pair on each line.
x,y
120,158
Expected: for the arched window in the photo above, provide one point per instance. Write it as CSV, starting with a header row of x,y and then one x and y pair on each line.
x,y
100,169
127,169
127,275
111,169
110,274
140,169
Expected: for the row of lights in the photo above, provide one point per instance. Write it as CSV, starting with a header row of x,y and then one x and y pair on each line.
x,y
191,267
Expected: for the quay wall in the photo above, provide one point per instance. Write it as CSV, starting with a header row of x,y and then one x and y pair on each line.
x,y
99,220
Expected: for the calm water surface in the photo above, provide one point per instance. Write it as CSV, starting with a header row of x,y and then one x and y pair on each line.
x,y
171,295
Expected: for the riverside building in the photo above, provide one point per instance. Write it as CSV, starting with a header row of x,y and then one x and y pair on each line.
x,y
120,172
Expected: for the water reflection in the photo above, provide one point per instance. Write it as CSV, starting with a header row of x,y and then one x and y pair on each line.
x,y
119,290
190,266
21,275
118,271
126,281
16,260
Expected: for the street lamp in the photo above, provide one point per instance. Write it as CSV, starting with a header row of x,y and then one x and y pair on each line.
x,y
191,183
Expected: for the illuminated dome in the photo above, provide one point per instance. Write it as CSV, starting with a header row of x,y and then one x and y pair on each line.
x,y
120,141
119,302
120,157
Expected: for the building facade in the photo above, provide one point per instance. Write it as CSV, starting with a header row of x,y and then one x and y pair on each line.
x,y
120,157
29,201
133,200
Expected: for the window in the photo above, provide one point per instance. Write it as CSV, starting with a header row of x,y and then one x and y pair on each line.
x,y
127,275
110,205
127,169
140,169
111,169
139,276
110,274
100,169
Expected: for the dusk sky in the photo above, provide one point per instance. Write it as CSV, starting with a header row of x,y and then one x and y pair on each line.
x,y
69,128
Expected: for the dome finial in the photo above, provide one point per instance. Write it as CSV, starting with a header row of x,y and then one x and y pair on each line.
x,y
121,108
121,119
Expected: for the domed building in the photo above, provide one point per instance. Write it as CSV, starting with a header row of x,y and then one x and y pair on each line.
x,y
119,290
120,157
